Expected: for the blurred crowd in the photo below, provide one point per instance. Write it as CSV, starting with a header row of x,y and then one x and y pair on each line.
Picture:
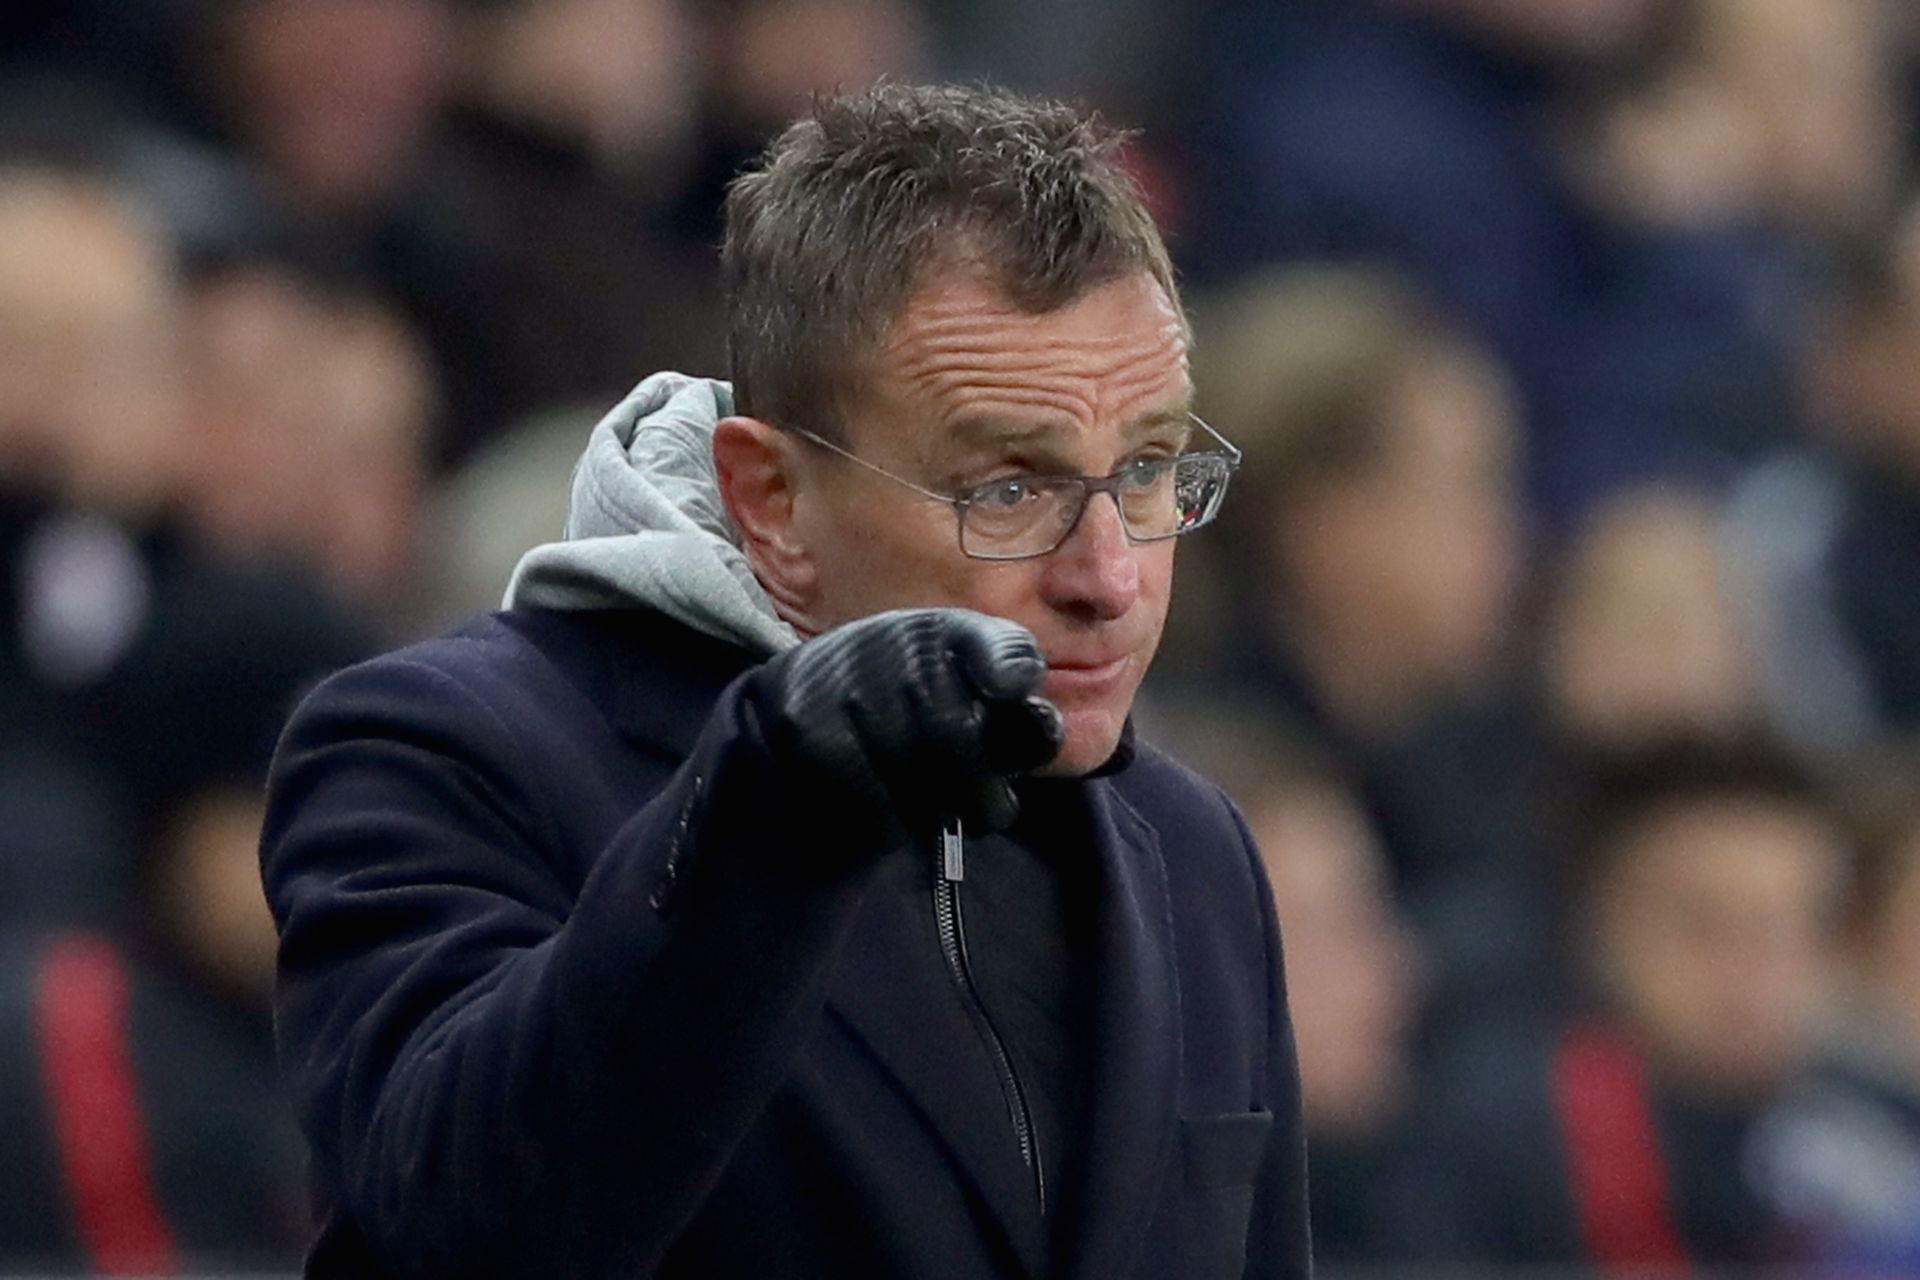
x,y
1560,641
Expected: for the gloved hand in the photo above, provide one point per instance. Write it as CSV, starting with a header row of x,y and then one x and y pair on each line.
x,y
911,718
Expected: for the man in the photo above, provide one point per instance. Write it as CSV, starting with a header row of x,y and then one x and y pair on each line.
x,y
774,889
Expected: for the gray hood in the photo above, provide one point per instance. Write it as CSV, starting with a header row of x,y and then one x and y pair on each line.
x,y
646,526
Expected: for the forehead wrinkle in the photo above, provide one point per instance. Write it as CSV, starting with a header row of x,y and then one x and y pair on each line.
x,y
948,322
1049,408
968,333
1091,359
957,358
1078,378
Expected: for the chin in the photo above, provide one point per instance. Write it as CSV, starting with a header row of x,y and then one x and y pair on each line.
x,y
1092,735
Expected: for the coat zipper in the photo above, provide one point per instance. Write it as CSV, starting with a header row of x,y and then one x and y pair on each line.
x,y
951,926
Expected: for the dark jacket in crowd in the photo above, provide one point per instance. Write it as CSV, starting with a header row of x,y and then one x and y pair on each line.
x,y
145,1132
136,668
1561,1147
572,985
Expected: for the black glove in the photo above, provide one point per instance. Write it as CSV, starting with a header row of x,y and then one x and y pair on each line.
x,y
910,718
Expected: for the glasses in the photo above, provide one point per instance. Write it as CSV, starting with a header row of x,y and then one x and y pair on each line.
x,y
1020,517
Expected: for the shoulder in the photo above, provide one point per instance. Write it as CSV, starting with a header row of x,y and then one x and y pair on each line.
x,y
521,672
495,651
488,699
517,712
486,653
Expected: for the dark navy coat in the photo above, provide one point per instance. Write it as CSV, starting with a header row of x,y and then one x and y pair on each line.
x,y
573,984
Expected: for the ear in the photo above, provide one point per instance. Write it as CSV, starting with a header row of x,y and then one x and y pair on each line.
x,y
757,463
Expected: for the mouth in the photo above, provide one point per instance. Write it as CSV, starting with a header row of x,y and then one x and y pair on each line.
x,y
1084,678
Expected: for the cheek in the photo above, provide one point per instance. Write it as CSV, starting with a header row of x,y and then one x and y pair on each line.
x,y
863,575
1156,575
870,558
1007,589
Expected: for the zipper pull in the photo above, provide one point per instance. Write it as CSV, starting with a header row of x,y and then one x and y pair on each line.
x,y
953,862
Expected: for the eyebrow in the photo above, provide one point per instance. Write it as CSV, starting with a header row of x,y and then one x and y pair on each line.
x,y
1179,416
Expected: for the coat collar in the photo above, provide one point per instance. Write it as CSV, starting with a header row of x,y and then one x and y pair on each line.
x,y
1136,1045
895,995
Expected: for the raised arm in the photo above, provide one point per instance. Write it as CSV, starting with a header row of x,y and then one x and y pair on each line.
x,y
502,1072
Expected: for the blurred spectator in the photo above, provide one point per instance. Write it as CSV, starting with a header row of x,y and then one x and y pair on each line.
x,y
1352,969
86,302
1422,133
89,386
1376,537
1367,572
1825,537
577,196
312,409
507,173
147,1130
618,78
766,57
144,679
1842,1159
1642,641
1706,923
337,99
1773,110
119,628
335,110
771,56
571,142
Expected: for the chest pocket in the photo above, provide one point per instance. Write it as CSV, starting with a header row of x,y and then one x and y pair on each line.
x,y
1220,1162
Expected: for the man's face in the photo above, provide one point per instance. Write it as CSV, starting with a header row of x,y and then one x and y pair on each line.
x,y
969,389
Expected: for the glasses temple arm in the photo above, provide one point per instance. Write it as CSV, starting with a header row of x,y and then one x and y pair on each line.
x,y
1233,450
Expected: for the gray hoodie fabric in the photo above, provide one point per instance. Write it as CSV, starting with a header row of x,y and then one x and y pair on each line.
x,y
646,525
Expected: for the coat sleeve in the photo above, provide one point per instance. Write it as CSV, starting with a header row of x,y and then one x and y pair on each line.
x,y
499,1076
1279,1240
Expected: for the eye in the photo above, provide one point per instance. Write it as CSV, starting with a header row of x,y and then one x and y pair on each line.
x,y
1009,494
1145,472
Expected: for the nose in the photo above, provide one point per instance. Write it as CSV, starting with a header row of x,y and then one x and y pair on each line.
x,y
1096,572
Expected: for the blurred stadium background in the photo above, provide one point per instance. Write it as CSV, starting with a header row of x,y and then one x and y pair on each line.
x,y
1561,641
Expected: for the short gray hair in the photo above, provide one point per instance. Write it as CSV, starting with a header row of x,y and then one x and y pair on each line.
x,y
851,209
